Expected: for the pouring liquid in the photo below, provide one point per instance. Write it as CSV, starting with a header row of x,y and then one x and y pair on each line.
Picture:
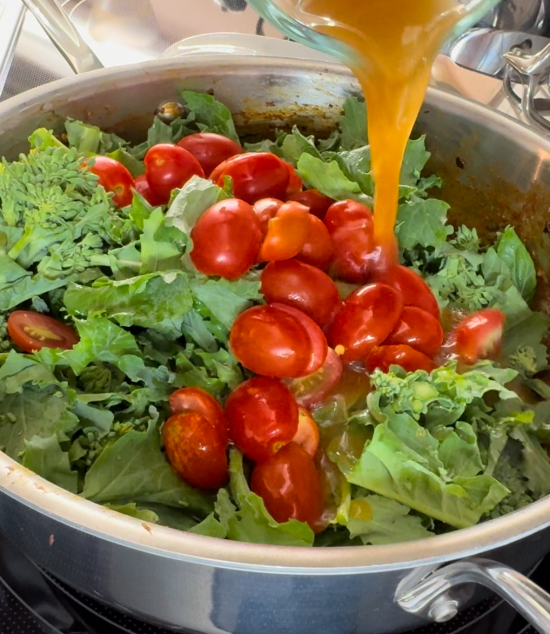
x,y
395,43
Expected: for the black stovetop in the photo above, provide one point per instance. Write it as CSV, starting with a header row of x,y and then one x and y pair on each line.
x,y
32,602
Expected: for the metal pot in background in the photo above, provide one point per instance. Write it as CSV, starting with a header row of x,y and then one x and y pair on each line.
x,y
529,16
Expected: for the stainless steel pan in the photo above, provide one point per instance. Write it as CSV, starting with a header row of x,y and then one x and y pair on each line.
x,y
496,171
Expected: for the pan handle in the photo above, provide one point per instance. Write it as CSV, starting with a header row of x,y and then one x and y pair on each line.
x,y
431,598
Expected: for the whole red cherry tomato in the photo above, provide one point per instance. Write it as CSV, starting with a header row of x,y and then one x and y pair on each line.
x,y
33,331
352,254
226,239
302,286
290,486
195,399
272,341
419,330
266,209
413,289
348,214
254,175
286,233
142,187
383,357
210,149
479,336
366,319
295,184
113,177
168,167
318,249
308,435
196,450
317,203
262,416
312,390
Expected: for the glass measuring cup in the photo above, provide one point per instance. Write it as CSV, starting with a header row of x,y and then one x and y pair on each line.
x,y
287,17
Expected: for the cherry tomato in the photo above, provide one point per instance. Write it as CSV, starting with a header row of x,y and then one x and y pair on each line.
x,y
195,399
33,331
266,209
352,258
168,167
318,248
419,330
317,203
408,358
254,175
262,416
479,336
196,450
286,233
413,288
295,184
290,486
210,149
307,435
366,319
113,177
226,239
312,390
302,286
348,214
142,187
273,341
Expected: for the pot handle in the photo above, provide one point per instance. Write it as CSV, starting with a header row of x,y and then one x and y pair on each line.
x,y
431,597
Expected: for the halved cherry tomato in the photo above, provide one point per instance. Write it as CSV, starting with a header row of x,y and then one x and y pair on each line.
x,y
366,319
290,486
266,209
295,183
210,149
286,233
195,399
318,249
479,336
419,330
113,177
196,450
262,416
352,259
408,358
305,287
33,331
142,187
348,214
168,167
255,175
312,390
307,435
413,289
226,239
317,203
271,342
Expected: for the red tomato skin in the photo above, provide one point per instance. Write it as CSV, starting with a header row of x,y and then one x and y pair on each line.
x,y
419,330
310,391
317,203
196,450
195,399
302,286
168,167
348,214
365,320
287,233
142,187
295,183
318,249
413,288
262,416
266,209
290,486
25,326
210,149
382,357
114,177
351,258
226,239
255,175
479,336
271,342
